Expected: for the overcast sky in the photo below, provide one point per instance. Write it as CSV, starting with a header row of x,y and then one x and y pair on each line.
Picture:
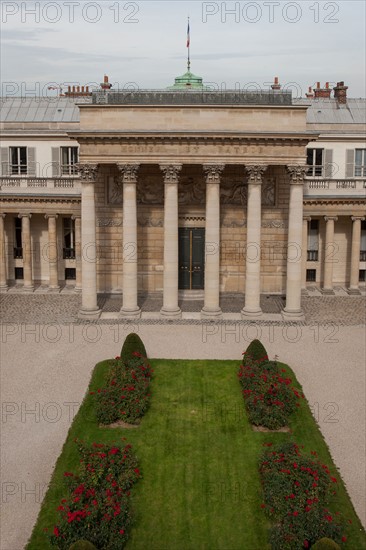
x,y
233,44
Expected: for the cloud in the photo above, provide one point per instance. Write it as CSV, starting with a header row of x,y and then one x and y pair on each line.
x,y
23,35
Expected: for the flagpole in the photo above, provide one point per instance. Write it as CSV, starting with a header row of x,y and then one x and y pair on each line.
x,y
189,45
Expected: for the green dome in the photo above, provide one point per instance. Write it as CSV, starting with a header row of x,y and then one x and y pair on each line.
x,y
188,81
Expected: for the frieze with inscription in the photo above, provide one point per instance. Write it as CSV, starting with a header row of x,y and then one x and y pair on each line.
x,y
193,191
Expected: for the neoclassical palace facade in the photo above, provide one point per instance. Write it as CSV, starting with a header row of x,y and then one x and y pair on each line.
x,y
184,190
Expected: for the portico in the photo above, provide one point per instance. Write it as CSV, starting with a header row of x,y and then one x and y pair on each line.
x,y
156,165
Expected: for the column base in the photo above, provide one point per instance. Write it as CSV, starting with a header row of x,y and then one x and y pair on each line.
x,y
53,289
247,313
211,313
4,288
354,291
28,288
126,313
77,289
293,315
304,292
175,313
89,314
327,291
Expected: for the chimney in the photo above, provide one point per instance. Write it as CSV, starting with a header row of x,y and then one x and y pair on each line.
x,y
276,85
105,85
322,92
69,89
340,92
87,89
310,93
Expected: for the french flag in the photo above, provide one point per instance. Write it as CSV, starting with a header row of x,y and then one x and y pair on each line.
x,y
188,36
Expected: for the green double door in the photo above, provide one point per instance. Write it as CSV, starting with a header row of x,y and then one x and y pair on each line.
x,y
191,258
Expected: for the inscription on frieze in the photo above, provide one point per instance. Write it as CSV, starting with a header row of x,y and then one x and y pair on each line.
x,y
192,191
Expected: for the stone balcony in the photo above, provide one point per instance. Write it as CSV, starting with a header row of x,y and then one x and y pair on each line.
x,y
337,188
16,185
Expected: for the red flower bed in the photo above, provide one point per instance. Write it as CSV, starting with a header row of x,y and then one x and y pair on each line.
x,y
268,393
125,396
98,506
297,490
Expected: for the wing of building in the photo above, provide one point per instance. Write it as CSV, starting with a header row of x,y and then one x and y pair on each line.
x,y
184,190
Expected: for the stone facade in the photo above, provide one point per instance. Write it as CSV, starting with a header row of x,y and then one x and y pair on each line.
x,y
149,170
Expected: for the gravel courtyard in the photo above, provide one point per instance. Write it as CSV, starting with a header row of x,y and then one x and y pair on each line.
x,y
47,358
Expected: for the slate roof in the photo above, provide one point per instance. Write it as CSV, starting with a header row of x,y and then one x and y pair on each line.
x,y
35,109
329,111
63,109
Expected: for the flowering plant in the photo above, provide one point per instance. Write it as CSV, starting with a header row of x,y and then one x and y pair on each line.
x,y
268,393
98,508
297,490
125,396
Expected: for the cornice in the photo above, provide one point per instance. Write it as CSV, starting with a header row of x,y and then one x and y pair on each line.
x,y
41,199
264,138
335,200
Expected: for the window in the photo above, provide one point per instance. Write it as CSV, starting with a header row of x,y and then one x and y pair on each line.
x,y
19,273
362,276
313,241
70,274
315,162
363,242
18,160
360,163
310,275
69,238
18,250
69,157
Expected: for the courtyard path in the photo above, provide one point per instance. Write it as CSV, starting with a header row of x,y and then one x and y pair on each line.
x,y
45,369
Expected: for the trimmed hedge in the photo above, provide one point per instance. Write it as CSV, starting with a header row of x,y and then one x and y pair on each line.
x,y
97,508
297,488
326,544
125,395
268,393
256,351
83,545
132,343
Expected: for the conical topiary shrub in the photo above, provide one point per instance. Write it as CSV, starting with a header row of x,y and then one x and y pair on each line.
x,y
132,343
325,544
256,351
83,545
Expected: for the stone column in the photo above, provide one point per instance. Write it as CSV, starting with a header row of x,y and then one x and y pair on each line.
x,y
304,252
355,255
211,308
53,285
3,283
77,245
170,294
329,254
295,251
89,308
130,308
27,252
253,246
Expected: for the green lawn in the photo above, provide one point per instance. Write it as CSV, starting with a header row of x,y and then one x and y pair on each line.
x,y
199,456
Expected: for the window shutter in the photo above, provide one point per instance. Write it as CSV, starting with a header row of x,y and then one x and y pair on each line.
x,y
55,162
5,168
31,161
350,161
328,163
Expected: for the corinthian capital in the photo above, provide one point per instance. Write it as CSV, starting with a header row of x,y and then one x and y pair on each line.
x,y
213,172
297,173
255,172
171,172
128,172
87,172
